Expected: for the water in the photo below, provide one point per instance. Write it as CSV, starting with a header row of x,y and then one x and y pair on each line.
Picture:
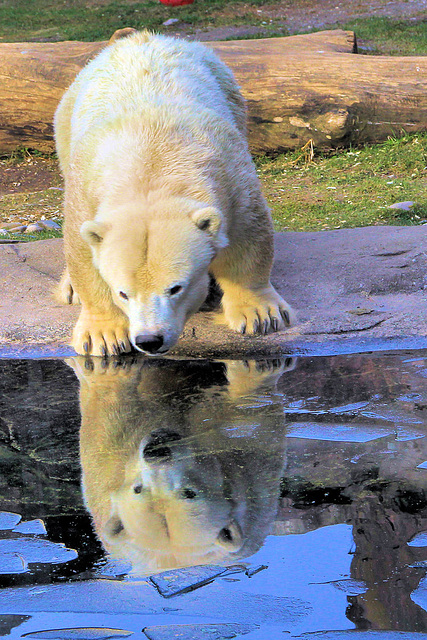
x,y
199,500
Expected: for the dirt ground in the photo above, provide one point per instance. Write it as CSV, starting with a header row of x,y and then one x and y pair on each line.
x,y
30,186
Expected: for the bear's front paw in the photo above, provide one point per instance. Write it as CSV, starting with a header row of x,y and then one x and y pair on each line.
x,y
100,335
254,312
246,376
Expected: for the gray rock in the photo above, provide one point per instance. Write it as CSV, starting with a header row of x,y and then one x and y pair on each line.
x,y
403,206
89,633
420,540
18,229
34,228
170,22
49,224
354,634
170,583
8,520
34,550
31,527
12,563
197,631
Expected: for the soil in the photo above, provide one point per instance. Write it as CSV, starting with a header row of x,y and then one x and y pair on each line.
x,y
37,174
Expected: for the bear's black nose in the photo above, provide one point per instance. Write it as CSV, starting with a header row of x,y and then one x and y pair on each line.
x,y
157,448
149,343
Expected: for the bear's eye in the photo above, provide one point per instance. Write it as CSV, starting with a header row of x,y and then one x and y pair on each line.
x,y
174,290
137,488
123,295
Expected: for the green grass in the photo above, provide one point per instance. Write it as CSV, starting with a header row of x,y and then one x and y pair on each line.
x,y
75,20
22,237
390,37
348,188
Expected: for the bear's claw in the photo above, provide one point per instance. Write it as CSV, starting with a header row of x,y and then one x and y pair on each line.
x,y
256,313
100,336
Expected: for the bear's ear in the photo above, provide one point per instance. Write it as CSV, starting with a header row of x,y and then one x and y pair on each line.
x,y
93,232
210,220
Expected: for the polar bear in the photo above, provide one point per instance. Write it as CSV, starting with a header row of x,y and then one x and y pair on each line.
x,y
181,461
160,193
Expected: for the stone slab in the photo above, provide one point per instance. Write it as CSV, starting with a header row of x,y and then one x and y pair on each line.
x,y
349,287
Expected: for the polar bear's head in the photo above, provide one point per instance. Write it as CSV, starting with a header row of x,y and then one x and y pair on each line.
x,y
173,507
155,259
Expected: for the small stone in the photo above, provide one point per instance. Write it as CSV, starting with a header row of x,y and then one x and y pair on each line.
x,y
11,225
171,21
20,229
403,206
170,583
220,631
8,520
49,224
34,228
31,527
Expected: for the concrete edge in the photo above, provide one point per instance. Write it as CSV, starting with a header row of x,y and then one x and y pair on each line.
x,y
298,348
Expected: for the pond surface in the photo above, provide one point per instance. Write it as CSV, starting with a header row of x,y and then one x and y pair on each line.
x,y
168,499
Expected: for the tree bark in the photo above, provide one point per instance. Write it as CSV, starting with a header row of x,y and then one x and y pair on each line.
x,y
300,88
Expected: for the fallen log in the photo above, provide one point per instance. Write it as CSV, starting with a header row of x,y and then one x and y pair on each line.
x,y
299,88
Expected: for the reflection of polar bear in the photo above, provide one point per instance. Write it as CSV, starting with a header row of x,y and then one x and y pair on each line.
x,y
179,468
160,191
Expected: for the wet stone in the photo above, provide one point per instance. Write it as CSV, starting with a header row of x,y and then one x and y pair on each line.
x,y
31,527
34,550
9,622
8,520
171,583
89,633
363,635
338,433
12,563
420,540
251,571
350,587
198,631
113,569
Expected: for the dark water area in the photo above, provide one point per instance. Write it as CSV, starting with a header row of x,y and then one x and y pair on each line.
x,y
167,499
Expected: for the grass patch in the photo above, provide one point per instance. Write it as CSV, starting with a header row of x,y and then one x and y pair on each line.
x,y
30,207
97,20
386,36
22,237
347,188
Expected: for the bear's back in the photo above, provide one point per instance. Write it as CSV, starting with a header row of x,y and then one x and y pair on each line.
x,y
144,73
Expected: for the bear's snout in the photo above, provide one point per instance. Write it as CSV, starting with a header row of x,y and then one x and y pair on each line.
x,y
149,343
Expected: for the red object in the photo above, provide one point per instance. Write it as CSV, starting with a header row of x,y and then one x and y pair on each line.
x,y
176,3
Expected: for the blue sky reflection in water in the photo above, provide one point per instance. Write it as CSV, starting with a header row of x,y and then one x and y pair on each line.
x,y
221,499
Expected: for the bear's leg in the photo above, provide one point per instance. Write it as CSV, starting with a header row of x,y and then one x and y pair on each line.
x,y
64,292
102,328
250,303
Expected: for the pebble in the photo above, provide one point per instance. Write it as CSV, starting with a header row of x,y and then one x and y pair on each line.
x,y
403,206
171,21
19,229
33,228
49,224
